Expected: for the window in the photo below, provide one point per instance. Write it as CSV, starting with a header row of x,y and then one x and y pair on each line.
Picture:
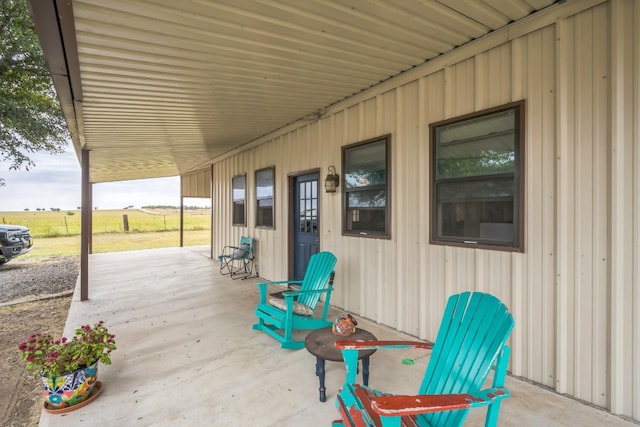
x,y
264,197
307,202
366,188
477,179
239,186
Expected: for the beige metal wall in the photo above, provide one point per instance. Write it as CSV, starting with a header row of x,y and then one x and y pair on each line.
x,y
196,184
574,291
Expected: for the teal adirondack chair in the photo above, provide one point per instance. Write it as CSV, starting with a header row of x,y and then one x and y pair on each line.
x,y
279,317
470,342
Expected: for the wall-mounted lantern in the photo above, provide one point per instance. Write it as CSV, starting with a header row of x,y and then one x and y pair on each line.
x,y
332,181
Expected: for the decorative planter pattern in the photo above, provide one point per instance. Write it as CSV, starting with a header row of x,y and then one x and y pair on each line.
x,y
345,325
69,389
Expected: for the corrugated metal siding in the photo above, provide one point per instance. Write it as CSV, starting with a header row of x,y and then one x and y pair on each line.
x,y
196,184
582,182
535,62
574,291
625,230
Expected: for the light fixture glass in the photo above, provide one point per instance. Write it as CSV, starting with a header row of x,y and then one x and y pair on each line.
x,y
332,181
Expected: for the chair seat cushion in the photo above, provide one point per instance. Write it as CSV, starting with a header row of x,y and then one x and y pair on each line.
x,y
298,308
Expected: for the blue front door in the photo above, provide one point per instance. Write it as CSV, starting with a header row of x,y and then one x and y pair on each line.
x,y
306,215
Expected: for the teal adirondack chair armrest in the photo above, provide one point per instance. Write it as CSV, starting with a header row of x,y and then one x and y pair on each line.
x,y
263,287
350,349
381,344
403,405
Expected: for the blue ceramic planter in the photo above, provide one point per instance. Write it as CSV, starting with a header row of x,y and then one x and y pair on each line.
x,y
69,389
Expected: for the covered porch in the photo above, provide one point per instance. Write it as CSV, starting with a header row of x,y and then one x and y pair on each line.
x,y
187,355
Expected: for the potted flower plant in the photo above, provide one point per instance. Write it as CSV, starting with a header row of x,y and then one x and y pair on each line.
x,y
68,367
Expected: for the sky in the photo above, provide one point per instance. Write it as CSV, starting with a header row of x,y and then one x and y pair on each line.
x,y
55,182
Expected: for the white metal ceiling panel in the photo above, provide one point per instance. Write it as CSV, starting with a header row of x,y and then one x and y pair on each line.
x,y
167,86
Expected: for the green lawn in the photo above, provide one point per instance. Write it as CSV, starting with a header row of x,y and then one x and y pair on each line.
x,y
116,242
58,233
67,223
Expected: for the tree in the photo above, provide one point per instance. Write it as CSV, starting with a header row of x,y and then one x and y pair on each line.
x,y
31,119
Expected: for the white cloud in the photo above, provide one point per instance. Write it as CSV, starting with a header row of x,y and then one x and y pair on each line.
x,y
55,182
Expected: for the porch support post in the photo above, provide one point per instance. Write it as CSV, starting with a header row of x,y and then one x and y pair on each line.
x,y
85,228
181,213
211,255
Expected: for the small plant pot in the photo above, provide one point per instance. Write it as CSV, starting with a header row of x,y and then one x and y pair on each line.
x,y
70,389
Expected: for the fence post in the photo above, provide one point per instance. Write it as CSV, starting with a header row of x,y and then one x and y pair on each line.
x,y
125,220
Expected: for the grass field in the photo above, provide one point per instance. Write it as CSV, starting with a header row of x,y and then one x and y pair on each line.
x,y
116,242
67,223
58,233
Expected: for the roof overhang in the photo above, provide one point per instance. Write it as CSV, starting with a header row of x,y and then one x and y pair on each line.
x,y
161,88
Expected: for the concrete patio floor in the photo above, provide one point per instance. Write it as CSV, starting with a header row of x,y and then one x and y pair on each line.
x,y
187,356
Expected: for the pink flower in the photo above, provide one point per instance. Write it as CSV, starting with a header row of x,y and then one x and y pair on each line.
x,y
51,357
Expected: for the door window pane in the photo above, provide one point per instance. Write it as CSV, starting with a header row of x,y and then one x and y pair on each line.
x,y
308,202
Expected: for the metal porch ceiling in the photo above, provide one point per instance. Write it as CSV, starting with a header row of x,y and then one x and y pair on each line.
x,y
157,88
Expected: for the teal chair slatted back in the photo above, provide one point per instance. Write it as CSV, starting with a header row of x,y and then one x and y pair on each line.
x,y
248,241
316,277
473,324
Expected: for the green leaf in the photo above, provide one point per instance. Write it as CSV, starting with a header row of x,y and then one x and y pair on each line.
x,y
31,119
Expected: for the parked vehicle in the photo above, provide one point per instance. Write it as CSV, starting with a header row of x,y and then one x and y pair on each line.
x,y
15,240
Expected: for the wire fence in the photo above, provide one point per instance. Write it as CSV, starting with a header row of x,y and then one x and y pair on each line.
x,y
52,224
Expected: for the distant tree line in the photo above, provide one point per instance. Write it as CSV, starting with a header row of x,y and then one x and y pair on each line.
x,y
130,207
173,207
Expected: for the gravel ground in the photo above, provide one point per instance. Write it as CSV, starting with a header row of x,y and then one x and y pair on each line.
x,y
26,307
26,279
